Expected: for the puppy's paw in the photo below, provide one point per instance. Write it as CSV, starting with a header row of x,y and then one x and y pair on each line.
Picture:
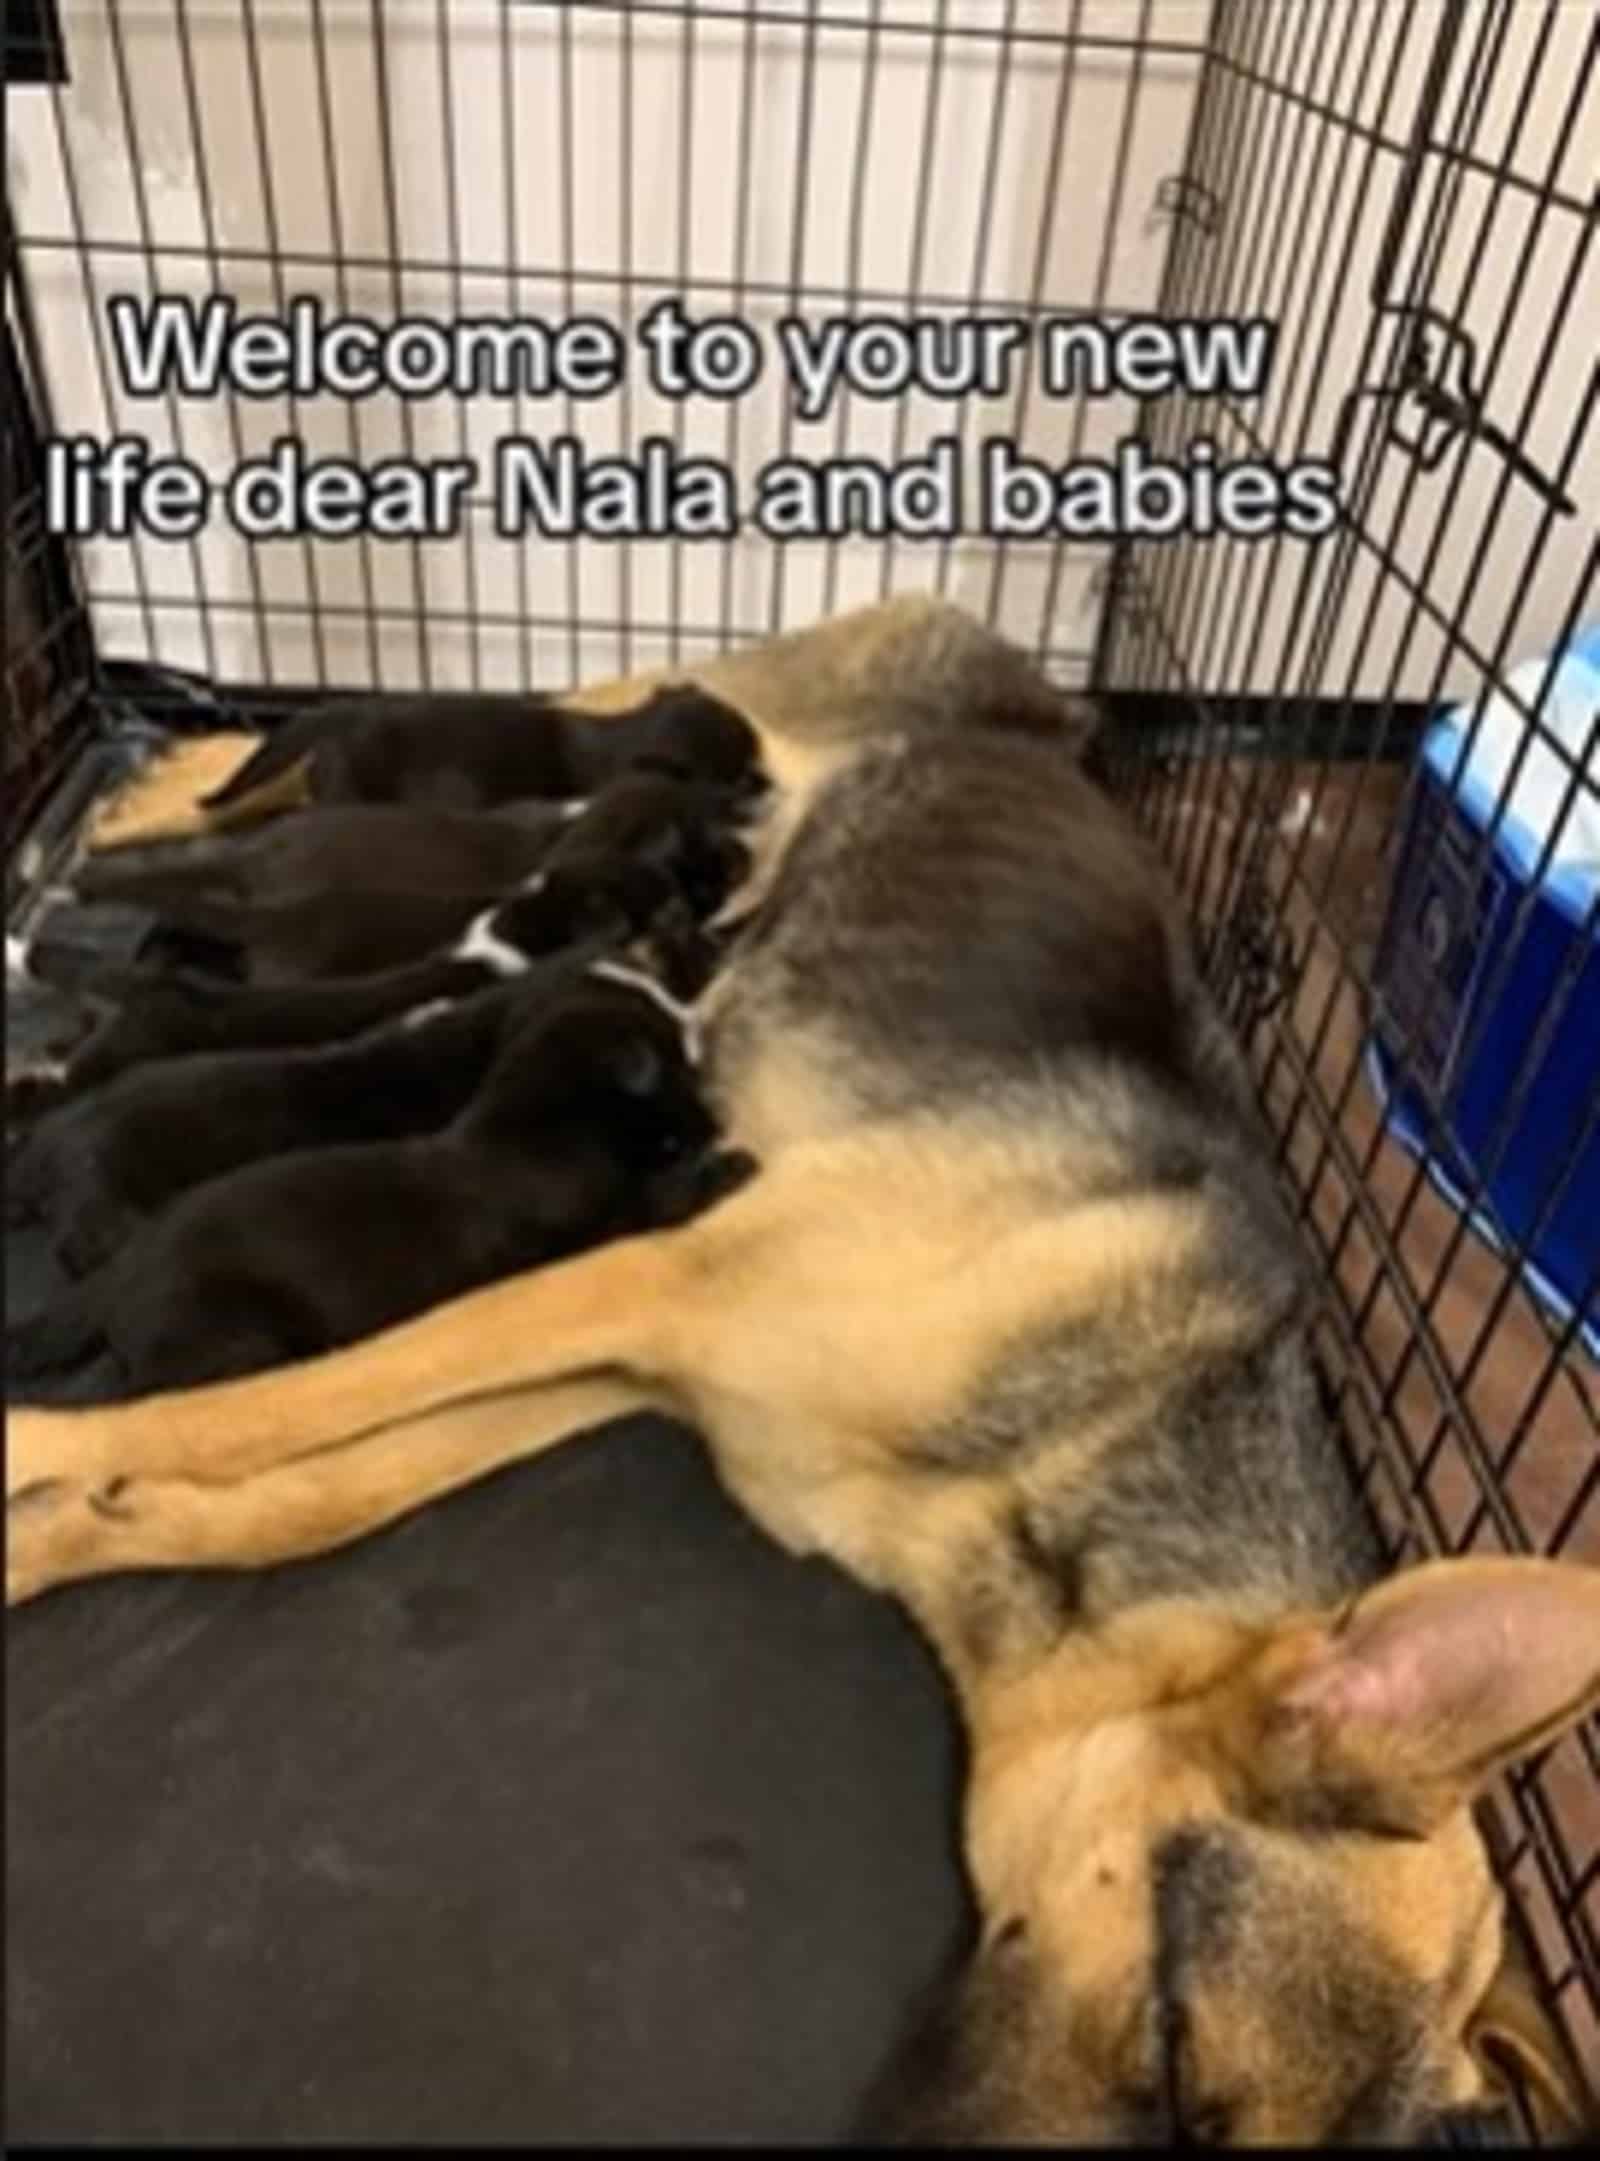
x,y
724,1173
697,1186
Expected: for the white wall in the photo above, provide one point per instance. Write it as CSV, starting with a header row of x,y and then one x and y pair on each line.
x,y
1518,270
81,139
277,187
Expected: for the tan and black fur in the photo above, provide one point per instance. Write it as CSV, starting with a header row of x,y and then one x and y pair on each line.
x,y
1013,1325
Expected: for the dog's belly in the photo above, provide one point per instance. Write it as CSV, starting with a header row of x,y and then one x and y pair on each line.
x,y
891,1276
950,917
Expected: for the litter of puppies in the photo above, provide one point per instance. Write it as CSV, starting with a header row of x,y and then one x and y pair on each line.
x,y
384,1048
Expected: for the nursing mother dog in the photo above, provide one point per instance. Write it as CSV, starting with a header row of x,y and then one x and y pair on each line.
x,y
1013,1324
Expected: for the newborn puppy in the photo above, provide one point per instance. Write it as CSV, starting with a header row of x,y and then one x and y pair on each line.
x,y
589,1125
94,1168
469,752
589,900
390,846
588,914
311,937
155,1017
643,826
318,936
691,830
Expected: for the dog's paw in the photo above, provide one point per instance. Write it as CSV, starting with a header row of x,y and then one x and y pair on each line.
x,y
59,1530
40,1450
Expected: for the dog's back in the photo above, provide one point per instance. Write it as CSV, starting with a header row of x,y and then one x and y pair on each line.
x,y
957,912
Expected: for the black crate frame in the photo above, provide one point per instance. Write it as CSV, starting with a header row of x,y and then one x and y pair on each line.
x,y
1169,616
1172,619
49,667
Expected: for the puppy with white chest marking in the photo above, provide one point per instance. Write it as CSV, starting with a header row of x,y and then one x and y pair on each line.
x,y
645,865
261,931
589,1124
188,1015
319,936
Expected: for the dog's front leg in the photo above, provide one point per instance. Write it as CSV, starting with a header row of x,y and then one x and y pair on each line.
x,y
608,1309
61,1531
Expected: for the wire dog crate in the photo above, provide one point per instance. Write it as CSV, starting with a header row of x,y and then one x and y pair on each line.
x,y
1410,194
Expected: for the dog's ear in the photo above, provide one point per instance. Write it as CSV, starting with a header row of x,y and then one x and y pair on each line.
x,y
1396,1711
1517,2046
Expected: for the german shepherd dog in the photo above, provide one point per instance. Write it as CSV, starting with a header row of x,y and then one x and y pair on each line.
x,y
1010,1323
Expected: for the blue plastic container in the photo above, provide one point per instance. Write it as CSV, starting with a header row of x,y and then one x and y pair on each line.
x,y
1466,1022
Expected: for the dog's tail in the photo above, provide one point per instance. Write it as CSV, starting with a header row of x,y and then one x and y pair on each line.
x,y
65,1334
278,773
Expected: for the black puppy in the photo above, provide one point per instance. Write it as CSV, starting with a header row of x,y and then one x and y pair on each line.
x,y
650,860
314,936
588,1125
390,845
471,752
680,854
95,1167
644,821
590,909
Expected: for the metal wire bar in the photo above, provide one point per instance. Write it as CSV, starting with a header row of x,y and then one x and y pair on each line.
x,y
855,232
742,286
775,293
569,213
919,238
506,53
1063,660
797,261
141,205
1198,630
447,117
1041,260
397,267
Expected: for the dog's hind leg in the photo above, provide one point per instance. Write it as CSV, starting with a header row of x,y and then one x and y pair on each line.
x,y
62,1530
